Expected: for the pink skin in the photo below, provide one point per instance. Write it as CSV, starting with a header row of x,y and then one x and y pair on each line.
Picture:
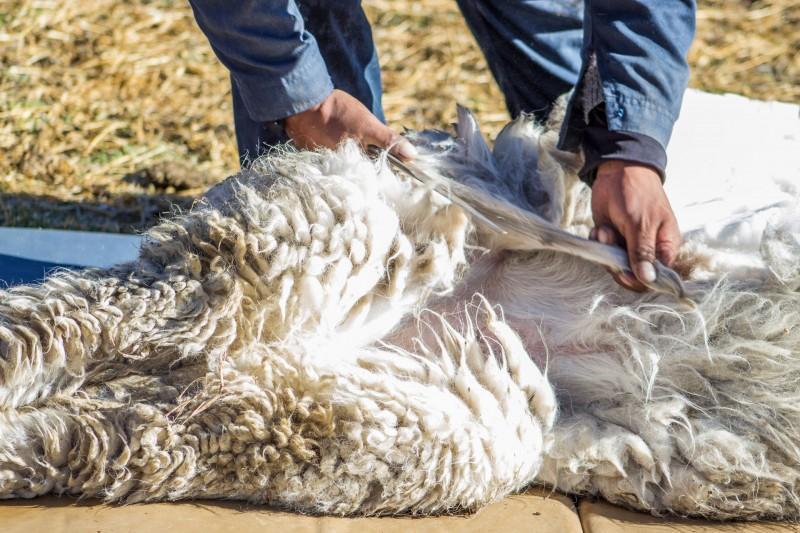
x,y
481,279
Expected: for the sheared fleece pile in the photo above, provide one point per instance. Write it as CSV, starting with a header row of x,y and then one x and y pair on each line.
x,y
326,335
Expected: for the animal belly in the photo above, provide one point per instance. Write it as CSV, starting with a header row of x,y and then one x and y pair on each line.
x,y
537,318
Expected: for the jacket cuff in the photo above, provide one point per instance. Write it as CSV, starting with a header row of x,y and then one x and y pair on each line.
x,y
269,97
600,144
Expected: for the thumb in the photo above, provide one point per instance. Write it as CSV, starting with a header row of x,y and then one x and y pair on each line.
x,y
383,136
404,149
641,243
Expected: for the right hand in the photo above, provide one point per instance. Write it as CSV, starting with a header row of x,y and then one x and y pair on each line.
x,y
631,209
340,117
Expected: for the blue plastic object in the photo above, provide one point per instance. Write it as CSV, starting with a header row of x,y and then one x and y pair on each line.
x,y
29,255
17,270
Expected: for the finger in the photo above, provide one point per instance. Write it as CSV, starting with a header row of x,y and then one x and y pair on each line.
x,y
628,281
641,241
607,235
668,241
397,145
383,136
404,150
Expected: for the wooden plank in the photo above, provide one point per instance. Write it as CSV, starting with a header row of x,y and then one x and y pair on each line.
x,y
601,517
533,511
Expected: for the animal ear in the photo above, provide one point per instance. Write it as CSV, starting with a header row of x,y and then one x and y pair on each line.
x,y
516,149
469,132
517,153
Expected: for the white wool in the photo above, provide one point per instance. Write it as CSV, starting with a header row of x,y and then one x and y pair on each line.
x,y
324,334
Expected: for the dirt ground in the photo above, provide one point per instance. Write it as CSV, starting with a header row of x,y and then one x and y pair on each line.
x,y
112,111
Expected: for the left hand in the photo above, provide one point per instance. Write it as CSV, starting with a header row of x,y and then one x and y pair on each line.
x,y
631,209
339,117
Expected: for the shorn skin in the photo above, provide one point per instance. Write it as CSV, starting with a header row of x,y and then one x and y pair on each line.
x,y
323,334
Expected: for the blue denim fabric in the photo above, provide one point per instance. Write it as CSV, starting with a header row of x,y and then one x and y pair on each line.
x,y
640,47
287,55
532,47
275,63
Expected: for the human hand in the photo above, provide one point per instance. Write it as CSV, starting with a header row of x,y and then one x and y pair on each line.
x,y
631,209
339,117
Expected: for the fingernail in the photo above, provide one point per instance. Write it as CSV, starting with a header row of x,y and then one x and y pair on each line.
x,y
405,150
603,236
647,272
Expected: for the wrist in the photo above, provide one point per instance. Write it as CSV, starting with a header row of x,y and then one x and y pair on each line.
x,y
617,170
601,144
320,109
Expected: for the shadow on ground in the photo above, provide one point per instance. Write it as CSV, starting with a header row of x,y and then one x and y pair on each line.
x,y
122,213
153,192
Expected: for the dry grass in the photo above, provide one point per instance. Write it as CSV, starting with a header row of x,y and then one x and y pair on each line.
x,y
93,91
748,47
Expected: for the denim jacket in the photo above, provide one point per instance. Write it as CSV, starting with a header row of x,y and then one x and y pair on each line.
x,y
633,67
634,64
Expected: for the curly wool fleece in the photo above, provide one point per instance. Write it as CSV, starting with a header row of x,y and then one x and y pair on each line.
x,y
323,334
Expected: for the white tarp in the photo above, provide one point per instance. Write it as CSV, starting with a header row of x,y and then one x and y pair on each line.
x,y
734,165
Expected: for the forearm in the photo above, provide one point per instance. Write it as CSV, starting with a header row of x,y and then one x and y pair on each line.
x,y
274,61
634,64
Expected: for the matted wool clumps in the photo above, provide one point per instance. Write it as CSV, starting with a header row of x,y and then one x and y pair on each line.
x,y
326,335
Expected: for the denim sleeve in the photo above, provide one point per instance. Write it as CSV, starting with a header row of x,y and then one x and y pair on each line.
x,y
634,62
600,144
275,63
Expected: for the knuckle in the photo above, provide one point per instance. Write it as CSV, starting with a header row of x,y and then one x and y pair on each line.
x,y
387,137
635,224
666,253
666,246
641,229
644,252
